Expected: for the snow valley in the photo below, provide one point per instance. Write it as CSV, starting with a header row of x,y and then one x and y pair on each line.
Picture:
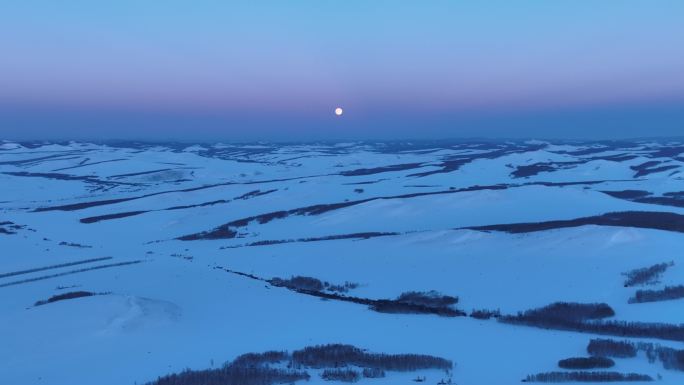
x,y
377,263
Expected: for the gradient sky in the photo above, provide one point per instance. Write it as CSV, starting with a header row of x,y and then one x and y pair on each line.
x,y
245,70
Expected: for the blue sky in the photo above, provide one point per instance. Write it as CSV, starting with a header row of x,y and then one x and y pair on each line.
x,y
242,70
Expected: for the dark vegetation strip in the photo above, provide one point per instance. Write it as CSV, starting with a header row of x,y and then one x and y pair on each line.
x,y
310,283
382,169
662,201
666,294
669,357
58,176
66,296
586,363
227,231
32,160
587,377
70,272
366,235
139,173
646,275
656,220
588,318
89,164
647,168
86,205
99,218
628,194
610,348
536,168
455,162
53,267
640,196
257,369
113,216
430,304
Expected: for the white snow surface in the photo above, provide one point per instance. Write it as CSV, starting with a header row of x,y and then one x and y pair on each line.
x,y
170,309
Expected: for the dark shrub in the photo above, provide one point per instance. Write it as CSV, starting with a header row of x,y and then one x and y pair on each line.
x,y
430,302
647,275
485,314
299,283
257,359
586,377
666,294
394,306
566,311
62,297
430,298
341,288
343,375
586,363
611,348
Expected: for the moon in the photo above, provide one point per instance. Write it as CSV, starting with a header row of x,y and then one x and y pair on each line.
x,y
339,111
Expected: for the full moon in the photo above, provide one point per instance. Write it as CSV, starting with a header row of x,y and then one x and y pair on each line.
x,y
338,111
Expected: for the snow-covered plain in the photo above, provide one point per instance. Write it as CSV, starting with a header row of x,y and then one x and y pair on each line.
x,y
160,218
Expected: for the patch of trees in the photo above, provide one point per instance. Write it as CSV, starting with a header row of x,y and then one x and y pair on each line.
x,y
587,377
65,296
586,363
611,348
419,302
256,359
343,288
373,373
428,298
268,242
342,375
587,318
665,294
430,302
646,275
312,284
485,314
562,312
261,375
299,283
657,220
335,359
338,355
247,369
670,358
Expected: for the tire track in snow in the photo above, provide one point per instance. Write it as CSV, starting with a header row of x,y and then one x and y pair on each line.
x,y
70,272
67,264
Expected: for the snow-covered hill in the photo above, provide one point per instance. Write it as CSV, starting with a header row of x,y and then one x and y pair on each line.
x,y
154,258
